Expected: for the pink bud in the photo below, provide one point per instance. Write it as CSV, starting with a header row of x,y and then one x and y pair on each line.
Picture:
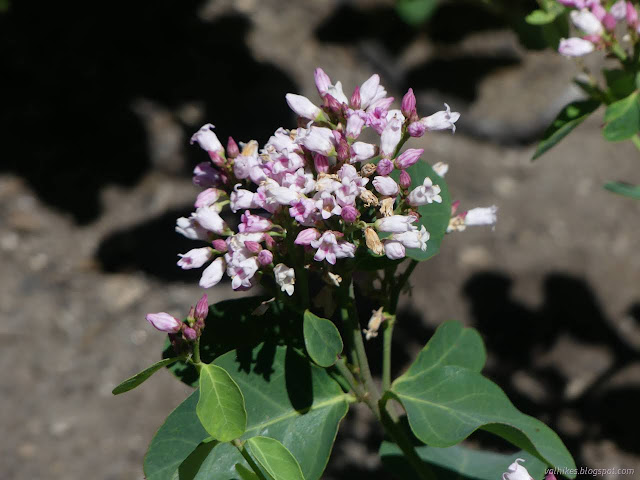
x,y
609,22
321,163
232,148
323,82
343,151
405,179
265,257
202,308
306,236
385,166
598,11
269,241
349,214
189,333
408,103
332,104
550,476
216,159
220,245
253,247
409,157
417,129
164,322
355,98
454,207
632,14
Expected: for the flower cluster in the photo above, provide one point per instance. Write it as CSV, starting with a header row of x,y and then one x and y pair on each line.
x,y
598,25
182,333
316,194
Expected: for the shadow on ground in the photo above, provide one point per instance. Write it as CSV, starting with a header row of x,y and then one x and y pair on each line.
x,y
71,76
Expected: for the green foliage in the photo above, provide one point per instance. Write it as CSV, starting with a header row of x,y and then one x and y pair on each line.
x,y
625,189
245,473
416,12
322,339
620,83
622,119
549,12
435,216
458,462
446,399
274,457
569,118
221,405
139,378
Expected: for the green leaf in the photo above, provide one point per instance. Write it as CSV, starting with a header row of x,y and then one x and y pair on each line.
x,y
231,325
221,405
620,83
451,344
435,216
245,473
569,118
415,12
448,403
540,17
287,398
174,441
275,458
622,119
458,461
137,379
626,189
322,339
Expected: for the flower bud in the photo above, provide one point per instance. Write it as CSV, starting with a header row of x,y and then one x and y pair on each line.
x,y
269,241
213,273
408,103
323,82
195,258
343,150
609,22
164,322
253,247
202,308
550,476
207,139
306,236
394,250
302,106
586,21
207,197
409,157
575,47
598,11
385,185
220,245
396,224
321,163
355,98
232,148
349,214
405,179
216,159
390,137
632,15
331,104
385,167
416,129
362,151
373,241
189,333
265,257
618,10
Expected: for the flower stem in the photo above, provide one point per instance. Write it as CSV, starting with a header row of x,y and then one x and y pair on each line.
x,y
196,351
243,451
386,352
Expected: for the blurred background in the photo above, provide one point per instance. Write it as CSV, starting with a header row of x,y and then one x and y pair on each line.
x,y
98,104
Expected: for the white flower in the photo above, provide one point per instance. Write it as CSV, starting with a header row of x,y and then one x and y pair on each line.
x,y
285,277
213,273
195,258
191,229
336,92
619,10
516,472
413,239
481,216
241,199
362,151
275,194
441,168
207,139
442,120
396,224
424,194
587,21
371,92
575,47
394,250
209,219
390,137
386,185
303,107
317,139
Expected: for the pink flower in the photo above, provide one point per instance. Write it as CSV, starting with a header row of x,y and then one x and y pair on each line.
x,y
277,195
202,308
386,186
323,82
213,273
195,258
241,270
632,15
586,21
408,103
327,205
304,211
253,247
265,257
208,197
349,213
220,245
409,157
303,107
164,322
204,176
321,163
329,248
244,164
208,140
371,92
299,181
356,120
396,224
385,166
424,194
405,179
394,250
318,139
307,236
253,223
619,10
209,219
416,129
575,47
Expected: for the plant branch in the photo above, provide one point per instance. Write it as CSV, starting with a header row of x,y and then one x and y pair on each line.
x,y
196,350
386,351
243,451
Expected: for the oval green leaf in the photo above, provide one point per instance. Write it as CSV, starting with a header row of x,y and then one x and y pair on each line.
x,y
275,458
220,407
569,118
245,473
322,339
459,462
625,189
133,382
446,404
622,119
